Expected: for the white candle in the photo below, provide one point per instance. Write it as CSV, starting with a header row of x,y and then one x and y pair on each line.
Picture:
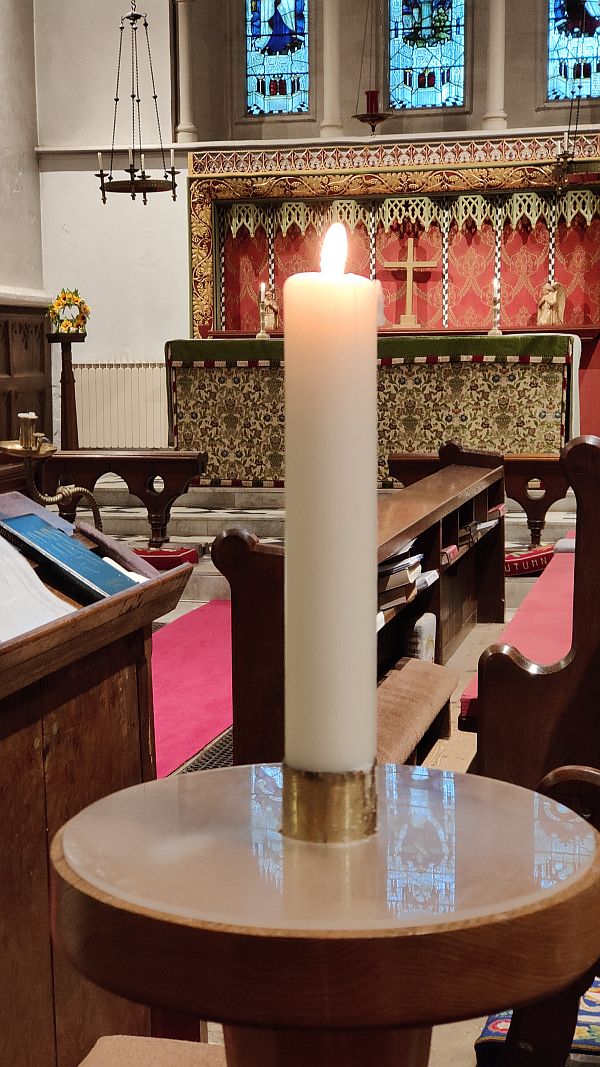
x,y
142,161
130,157
330,358
262,292
565,142
100,160
172,159
496,288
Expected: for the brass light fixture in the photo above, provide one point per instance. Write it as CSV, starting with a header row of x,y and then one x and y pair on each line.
x,y
139,181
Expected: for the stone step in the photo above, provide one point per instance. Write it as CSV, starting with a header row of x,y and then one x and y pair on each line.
x,y
112,491
194,524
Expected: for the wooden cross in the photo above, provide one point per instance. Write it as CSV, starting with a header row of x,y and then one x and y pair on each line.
x,y
411,266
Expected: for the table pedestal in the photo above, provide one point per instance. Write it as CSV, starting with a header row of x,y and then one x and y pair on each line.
x,y
246,1047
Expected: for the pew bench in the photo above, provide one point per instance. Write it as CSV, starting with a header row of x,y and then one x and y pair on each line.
x,y
540,628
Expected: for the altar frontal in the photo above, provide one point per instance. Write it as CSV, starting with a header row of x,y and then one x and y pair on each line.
x,y
505,394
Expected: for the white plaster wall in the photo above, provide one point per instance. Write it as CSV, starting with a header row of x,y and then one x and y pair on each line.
x,y
76,65
20,245
129,261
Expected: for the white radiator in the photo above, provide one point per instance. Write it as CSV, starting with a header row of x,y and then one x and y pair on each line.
x,y
121,405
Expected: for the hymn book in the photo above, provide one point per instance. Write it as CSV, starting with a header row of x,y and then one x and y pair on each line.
x,y
92,576
26,603
391,574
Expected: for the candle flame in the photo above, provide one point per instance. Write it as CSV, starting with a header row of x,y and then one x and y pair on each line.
x,y
334,249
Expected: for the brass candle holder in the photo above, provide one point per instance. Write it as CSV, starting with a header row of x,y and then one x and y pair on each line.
x,y
35,445
329,807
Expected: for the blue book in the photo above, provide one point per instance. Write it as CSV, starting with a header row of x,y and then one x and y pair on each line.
x,y
89,572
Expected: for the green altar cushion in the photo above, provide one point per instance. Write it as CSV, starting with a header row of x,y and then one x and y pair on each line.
x,y
408,347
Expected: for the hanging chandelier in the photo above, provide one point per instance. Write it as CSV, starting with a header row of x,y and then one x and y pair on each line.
x,y
569,170
139,181
373,115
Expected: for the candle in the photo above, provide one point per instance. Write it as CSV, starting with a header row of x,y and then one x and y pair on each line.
x,y
143,164
330,359
496,288
100,160
565,142
130,157
172,159
262,292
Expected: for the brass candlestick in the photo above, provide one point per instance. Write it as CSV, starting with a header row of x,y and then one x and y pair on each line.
x,y
32,444
495,330
327,807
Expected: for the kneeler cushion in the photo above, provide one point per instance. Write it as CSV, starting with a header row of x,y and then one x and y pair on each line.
x,y
409,698
586,1039
153,1052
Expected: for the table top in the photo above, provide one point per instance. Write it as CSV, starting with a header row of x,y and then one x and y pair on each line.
x,y
481,885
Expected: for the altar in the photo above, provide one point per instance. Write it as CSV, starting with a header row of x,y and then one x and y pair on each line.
x,y
515,393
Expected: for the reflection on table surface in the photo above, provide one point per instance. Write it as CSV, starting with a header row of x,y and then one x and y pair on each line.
x,y
207,846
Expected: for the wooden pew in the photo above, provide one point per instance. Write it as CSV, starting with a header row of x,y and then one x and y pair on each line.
x,y
472,586
531,718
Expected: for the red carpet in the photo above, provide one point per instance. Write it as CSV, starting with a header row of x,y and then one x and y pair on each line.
x,y
191,682
540,628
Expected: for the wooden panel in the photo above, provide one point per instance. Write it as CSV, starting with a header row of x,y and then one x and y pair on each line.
x,y
26,1015
92,747
25,368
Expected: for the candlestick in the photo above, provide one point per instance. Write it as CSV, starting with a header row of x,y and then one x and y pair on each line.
x,y
330,359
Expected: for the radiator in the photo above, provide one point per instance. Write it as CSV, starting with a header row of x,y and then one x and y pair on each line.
x,y
121,405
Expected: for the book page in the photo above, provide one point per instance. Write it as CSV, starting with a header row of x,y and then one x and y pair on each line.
x,y
26,603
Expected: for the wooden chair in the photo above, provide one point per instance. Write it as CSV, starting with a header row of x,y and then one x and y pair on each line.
x,y
413,697
541,1034
153,1052
532,718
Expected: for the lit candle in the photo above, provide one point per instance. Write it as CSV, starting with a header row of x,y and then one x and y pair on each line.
x,y
100,160
330,359
262,292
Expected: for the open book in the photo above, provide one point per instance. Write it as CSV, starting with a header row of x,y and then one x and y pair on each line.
x,y
26,603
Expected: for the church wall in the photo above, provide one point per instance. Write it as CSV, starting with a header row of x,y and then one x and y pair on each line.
x,y
76,48
129,261
20,247
219,76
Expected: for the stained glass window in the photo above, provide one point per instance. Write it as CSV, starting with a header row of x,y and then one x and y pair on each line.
x,y
427,53
573,49
276,57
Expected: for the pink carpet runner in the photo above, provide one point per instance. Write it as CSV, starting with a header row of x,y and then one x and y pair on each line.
x,y
191,683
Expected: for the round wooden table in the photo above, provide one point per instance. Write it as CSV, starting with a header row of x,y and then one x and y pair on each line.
x,y
473,896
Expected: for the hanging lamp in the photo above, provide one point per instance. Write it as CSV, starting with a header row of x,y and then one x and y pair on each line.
x,y
139,181
373,115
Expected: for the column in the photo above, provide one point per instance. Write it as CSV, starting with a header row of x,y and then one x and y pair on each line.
x,y
331,124
495,116
185,129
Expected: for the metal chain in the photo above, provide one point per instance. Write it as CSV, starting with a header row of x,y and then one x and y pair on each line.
x,y
155,98
132,98
137,91
112,144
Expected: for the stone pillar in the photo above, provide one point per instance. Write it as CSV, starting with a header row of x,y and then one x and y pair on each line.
x,y
185,129
495,116
331,124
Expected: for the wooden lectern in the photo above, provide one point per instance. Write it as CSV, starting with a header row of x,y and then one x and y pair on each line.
x,y
75,725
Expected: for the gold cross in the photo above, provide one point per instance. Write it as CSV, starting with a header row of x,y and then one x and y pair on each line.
x,y
410,265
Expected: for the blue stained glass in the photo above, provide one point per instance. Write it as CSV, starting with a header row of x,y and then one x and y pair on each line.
x,y
427,54
276,57
573,49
